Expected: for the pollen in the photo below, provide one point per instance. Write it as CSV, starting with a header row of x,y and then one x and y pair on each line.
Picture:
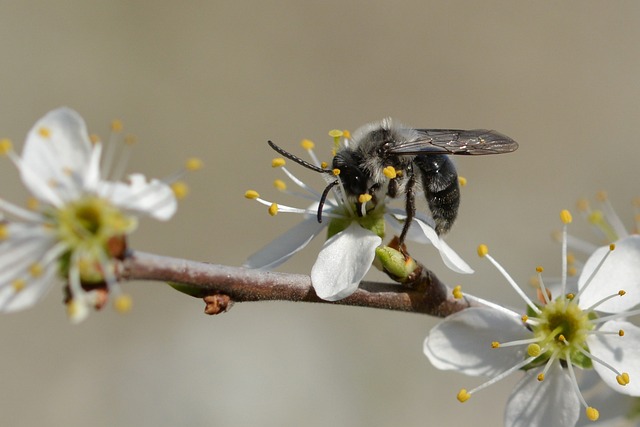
x,y
539,269
463,395
307,144
273,209
18,285
565,216
592,413
277,162
116,126
336,133
601,196
583,205
280,184
251,194
483,250
457,292
389,172
44,132
540,377
336,171
621,332
533,350
4,232
180,189
612,247
495,344
33,204
123,303
622,292
324,165
462,181
364,198
623,379
524,318
5,146
346,134
35,270
194,164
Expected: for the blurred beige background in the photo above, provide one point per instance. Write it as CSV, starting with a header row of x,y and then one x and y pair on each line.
x,y
216,80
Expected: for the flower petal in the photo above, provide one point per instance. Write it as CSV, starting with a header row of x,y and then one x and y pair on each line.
x,y
285,246
343,261
551,402
623,353
450,258
154,198
56,156
620,271
462,342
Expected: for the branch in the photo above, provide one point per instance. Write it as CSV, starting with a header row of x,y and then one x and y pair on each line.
x,y
222,285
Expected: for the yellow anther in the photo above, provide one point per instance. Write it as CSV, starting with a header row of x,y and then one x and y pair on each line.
x,y
463,395
5,146
193,164
462,181
123,303
457,292
336,171
524,318
4,231
601,196
583,205
273,209
571,258
595,217
130,139
307,144
389,172
277,162
180,189
18,285
280,184
36,269
346,134
625,378
572,271
495,344
565,216
324,165
561,338
570,296
251,194
364,198
540,377
483,250
533,350
33,204
94,138
335,133
592,413
621,332
612,247
44,132
116,126
622,292
539,269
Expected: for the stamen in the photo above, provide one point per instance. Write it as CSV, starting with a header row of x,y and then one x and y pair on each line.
x,y
603,363
574,382
457,292
502,375
613,219
277,162
273,209
483,251
180,189
620,293
280,185
545,294
593,273
309,146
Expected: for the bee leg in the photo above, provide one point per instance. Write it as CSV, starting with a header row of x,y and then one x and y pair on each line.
x,y
410,208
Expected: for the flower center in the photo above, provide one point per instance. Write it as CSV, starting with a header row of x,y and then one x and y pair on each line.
x,y
562,328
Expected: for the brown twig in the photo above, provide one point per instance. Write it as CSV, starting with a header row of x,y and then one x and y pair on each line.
x,y
427,294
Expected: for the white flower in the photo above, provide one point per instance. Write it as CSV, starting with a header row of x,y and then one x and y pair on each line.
x,y
353,236
584,330
77,222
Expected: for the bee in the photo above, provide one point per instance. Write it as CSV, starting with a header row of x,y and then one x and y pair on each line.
x,y
420,158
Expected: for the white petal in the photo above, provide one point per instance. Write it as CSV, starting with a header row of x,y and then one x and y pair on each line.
x,y
26,245
620,271
343,261
283,248
551,402
421,232
154,198
60,160
623,353
462,342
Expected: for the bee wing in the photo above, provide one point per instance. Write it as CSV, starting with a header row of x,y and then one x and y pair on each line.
x,y
453,141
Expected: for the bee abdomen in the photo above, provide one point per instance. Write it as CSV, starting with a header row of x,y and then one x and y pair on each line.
x,y
440,185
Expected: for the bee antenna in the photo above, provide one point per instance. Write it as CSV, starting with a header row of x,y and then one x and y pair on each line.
x,y
323,198
298,160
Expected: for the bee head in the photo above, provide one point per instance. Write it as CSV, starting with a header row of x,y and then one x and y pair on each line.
x,y
355,179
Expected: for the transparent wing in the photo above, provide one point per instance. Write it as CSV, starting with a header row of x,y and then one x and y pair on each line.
x,y
453,141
